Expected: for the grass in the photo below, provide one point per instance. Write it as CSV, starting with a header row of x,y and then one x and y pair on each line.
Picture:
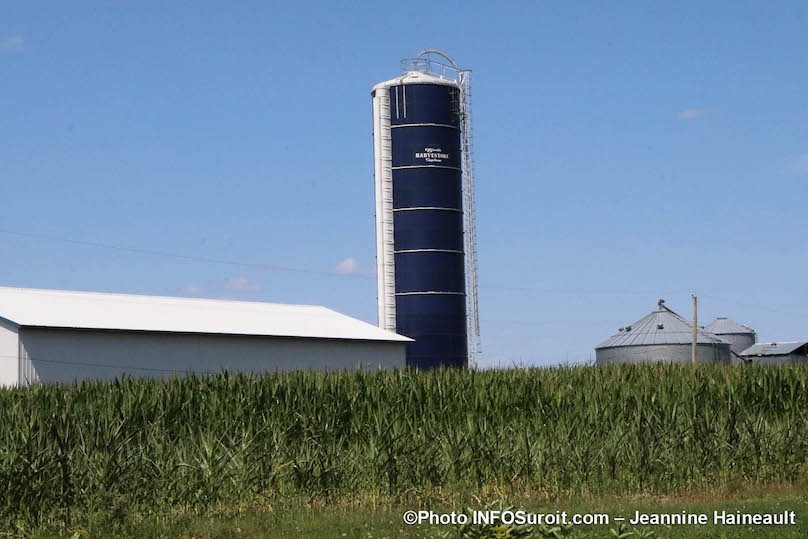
x,y
376,519
131,452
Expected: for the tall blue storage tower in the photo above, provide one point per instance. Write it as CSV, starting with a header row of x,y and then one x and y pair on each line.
x,y
426,252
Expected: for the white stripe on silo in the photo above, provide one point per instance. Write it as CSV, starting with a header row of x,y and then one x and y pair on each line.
x,y
383,158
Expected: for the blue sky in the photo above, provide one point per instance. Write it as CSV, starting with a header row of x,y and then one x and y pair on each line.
x,y
624,151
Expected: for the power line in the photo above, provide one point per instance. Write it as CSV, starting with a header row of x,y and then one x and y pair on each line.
x,y
290,269
275,267
270,267
179,256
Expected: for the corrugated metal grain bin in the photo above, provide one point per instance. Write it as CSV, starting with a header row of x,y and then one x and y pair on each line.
x,y
739,336
662,335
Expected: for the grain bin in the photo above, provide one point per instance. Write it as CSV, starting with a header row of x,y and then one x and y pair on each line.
x,y
739,336
662,335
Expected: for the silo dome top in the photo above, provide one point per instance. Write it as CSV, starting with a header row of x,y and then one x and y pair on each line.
x,y
660,327
417,77
429,66
724,326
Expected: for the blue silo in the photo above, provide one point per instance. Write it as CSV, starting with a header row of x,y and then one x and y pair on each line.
x,y
420,221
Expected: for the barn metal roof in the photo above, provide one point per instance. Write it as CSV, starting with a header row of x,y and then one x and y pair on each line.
x,y
104,311
773,348
662,326
725,326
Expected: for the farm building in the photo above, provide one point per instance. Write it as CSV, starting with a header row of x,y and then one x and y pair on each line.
x,y
739,336
662,335
777,353
60,336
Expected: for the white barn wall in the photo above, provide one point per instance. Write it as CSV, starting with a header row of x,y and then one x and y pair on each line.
x,y
64,355
9,354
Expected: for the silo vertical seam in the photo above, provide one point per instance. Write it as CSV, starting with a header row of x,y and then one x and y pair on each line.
x,y
377,184
384,209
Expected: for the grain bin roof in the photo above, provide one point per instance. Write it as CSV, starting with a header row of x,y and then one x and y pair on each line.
x,y
102,311
662,326
773,348
725,326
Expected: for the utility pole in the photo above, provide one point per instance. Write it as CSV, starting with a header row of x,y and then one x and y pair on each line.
x,y
695,328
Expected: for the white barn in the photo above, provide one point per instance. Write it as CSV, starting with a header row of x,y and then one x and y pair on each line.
x,y
61,336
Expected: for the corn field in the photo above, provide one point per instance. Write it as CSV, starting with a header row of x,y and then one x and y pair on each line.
x,y
193,443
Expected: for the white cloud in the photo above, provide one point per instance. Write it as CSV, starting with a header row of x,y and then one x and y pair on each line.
x,y
12,43
691,114
800,163
349,266
192,290
241,284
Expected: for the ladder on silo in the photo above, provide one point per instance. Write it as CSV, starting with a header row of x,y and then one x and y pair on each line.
x,y
469,220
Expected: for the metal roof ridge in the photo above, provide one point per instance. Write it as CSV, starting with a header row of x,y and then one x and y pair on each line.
x,y
129,312
89,293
